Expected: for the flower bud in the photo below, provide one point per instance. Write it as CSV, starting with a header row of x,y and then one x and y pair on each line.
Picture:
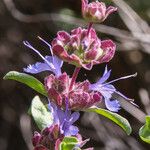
x,y
36,138
96,11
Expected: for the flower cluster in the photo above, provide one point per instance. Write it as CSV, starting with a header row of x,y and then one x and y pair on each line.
x,y
82,48
80,96
96,11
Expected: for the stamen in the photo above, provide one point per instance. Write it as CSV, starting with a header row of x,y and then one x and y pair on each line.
x,y
117,92
134,104
46,44
121,78
26,43
129,99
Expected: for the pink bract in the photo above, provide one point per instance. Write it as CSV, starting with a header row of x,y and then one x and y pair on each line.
x,y
79,97
83,48
96,11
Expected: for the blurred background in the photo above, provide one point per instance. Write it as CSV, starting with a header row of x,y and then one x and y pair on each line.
x,y
129,28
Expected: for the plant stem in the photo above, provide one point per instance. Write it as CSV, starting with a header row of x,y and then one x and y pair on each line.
x,y
74,77
89,27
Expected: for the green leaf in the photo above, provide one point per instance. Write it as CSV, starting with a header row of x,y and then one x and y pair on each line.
x,y
70,139
119,120
42,117
68,143
144,131
26,79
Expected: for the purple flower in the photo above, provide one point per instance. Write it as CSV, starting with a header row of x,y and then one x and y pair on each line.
x,y
51,63
64,119
96,11
107,90
82,48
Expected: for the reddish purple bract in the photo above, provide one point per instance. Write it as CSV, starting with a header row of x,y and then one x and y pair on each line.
x,y
47,139
82,48
79,97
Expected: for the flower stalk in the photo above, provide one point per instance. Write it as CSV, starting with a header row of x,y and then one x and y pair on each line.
x,y
74,77
89,27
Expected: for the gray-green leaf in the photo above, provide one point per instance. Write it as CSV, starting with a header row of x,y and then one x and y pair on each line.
x,y
119,120
144,131
42,117
26,79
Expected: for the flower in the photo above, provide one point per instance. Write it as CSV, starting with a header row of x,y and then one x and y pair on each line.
x,y
51,63
96,11
107,89
62,126
79,97
64,119
82,48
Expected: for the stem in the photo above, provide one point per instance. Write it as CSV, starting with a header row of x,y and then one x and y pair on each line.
x,y
74,77
89,27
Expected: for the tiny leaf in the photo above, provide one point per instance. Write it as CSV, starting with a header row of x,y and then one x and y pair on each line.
x,y
41,115
26,79
119,120
68,143
70,139
144,131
